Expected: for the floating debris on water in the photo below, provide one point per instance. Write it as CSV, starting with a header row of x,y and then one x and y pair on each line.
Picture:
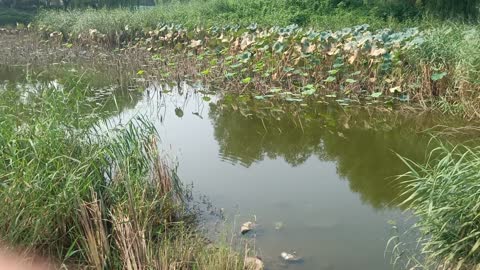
x,y
279,225
247,227
291,257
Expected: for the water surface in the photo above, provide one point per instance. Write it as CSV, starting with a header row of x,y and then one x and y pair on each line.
x,y
327,176
325,172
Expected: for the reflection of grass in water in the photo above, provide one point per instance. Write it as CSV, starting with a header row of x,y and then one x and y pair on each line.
x,y
445,196
211,13
102,200
105,91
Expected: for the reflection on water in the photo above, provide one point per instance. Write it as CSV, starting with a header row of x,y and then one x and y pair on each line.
x,y
103,95
363,154
327,175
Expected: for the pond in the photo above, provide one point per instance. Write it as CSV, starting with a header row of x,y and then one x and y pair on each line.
x,y
325,188
318,179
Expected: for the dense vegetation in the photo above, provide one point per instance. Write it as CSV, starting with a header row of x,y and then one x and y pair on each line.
x,y
445,196
437,64
324,13
90,199
316,12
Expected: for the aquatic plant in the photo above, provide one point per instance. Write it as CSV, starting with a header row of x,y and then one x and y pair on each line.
x,y
352,59
436,67
294,63
87,197
445,196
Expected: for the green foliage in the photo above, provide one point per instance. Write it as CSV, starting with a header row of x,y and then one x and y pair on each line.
x,y
306,12
48,166
246,12
453,48
92,197
435,60
445,196
321,14
467,9
13,16
280,12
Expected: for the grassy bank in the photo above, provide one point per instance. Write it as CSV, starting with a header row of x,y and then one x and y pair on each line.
x,y
445,196
90,199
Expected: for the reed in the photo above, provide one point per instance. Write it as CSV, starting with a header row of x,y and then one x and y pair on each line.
x,y
90,198
445,196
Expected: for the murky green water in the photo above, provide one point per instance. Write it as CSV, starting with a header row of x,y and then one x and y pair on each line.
x,y
325,173
327,176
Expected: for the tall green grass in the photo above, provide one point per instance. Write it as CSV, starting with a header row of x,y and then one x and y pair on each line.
x,y
453,48
445,197
212,13
316,13
85,198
